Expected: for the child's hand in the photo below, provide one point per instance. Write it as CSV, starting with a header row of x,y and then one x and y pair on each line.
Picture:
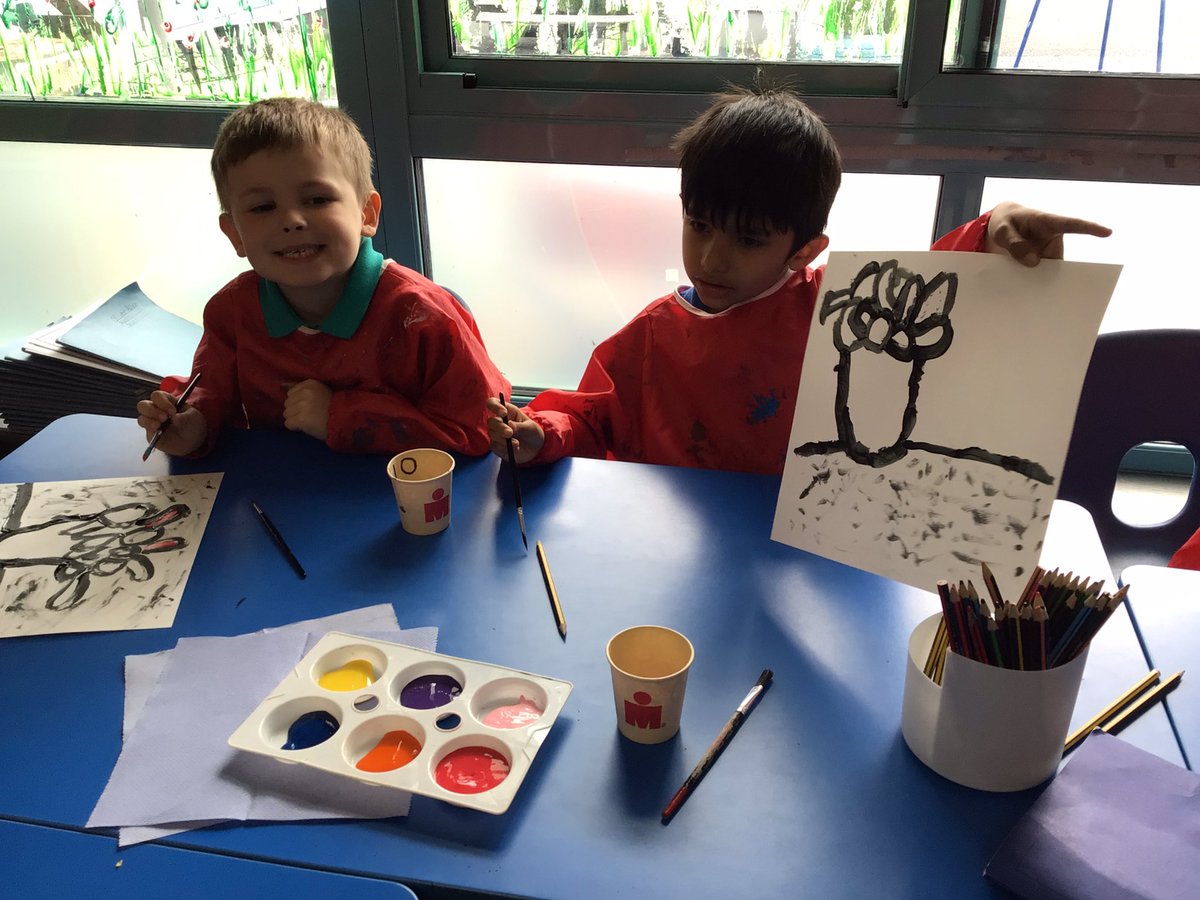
x,y
188,428
527,434
1030,235
306,408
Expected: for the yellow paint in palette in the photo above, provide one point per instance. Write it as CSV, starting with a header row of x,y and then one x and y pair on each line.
x,y
352,676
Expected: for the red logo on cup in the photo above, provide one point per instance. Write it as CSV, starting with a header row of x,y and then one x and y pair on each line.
x,y
438,507
640,714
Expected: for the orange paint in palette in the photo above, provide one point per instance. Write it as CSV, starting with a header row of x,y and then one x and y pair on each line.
x,y
459,730
352,676
471,770
394,750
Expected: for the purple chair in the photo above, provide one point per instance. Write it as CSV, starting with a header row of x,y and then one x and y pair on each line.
x,y
1141,386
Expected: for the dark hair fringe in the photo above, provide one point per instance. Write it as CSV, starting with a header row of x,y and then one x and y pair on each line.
x,y
758,158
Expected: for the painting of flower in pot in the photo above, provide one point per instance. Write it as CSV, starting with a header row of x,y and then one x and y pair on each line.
x,y
934,411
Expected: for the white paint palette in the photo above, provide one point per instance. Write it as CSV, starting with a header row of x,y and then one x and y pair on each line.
x,y
458,730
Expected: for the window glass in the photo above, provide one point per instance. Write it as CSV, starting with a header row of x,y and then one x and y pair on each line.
x,y
1115,36
870,31
233,51
552,259
84,220
1152,228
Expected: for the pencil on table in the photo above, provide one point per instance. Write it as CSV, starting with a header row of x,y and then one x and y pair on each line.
x,y
1109,711
551,591
1143,703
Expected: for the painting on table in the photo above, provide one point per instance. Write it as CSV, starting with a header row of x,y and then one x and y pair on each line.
x,y
100,555
934,412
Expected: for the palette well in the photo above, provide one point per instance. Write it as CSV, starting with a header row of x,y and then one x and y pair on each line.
x,y
459,730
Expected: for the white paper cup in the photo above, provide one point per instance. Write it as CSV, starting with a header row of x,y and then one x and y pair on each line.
x,y
987,727
421,480
649,675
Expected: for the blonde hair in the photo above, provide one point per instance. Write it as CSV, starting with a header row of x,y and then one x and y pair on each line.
x,y
288,123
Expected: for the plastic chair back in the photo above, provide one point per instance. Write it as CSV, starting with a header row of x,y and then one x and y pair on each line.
x,y
1141,386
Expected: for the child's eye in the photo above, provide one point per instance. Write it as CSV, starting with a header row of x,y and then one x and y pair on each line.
x,y
697,225
262,207
751,241
319,201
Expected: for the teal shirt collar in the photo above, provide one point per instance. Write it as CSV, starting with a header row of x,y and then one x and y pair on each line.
x,y
343,321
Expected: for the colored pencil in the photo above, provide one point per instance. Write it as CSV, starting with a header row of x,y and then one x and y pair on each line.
x,y
179,403
937,649
512,465
1109,711
551,591
278,539
718,746
1143,703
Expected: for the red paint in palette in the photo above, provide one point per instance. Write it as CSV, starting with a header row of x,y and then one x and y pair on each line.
x,y
471,770
394,750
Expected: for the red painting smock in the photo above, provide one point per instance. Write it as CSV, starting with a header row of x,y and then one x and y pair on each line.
x,y
414,372
684,387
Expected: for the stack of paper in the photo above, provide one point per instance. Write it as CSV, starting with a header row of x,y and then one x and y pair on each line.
x,y
203,689
99,361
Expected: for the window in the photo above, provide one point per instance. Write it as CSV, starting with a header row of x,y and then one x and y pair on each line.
x,y
233,51
94,218
1152,232
866,31
552,259
1113,36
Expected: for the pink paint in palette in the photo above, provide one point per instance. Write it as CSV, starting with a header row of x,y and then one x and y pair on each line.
x,y
459,730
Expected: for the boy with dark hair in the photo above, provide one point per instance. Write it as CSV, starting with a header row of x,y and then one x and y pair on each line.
x,y
324,336
707,375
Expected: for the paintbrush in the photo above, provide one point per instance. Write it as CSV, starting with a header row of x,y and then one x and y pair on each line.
x,y
179,402
512,464
718,745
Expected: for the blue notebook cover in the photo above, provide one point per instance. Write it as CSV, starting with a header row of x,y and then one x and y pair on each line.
x,y
1115,822
132,330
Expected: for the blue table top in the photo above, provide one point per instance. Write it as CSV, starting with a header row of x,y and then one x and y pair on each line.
x,y
1166,604
41,861
818,790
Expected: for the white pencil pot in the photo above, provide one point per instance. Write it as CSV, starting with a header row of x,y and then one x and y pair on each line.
x,y
987,727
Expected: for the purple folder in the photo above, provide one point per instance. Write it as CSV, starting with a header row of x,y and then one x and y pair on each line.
x,y
1116,822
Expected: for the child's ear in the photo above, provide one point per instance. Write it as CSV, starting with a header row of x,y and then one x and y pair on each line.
x,y
808,253
231,232
371,207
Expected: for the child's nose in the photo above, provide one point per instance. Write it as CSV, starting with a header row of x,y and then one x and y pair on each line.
x,y
714,257
293,220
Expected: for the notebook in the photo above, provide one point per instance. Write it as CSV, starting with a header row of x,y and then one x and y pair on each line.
x,y
132,330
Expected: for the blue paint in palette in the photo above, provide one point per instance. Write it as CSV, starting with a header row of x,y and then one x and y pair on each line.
x,y
430,691
311,729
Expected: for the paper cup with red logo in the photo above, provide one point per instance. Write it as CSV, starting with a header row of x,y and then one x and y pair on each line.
x,y
649,666
421,480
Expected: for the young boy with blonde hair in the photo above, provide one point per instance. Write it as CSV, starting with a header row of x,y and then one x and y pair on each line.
x,y
324,336
707,375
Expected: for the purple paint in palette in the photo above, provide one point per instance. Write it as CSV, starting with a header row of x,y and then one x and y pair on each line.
x,y
430,691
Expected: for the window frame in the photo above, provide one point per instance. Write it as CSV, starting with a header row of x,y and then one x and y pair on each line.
x,y
412,99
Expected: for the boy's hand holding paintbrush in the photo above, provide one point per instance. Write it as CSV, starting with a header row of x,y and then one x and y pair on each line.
x,y
507,421
171,425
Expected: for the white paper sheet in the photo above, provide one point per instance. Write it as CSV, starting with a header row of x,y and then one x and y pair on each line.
x,y
176,769
109,554
934,411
